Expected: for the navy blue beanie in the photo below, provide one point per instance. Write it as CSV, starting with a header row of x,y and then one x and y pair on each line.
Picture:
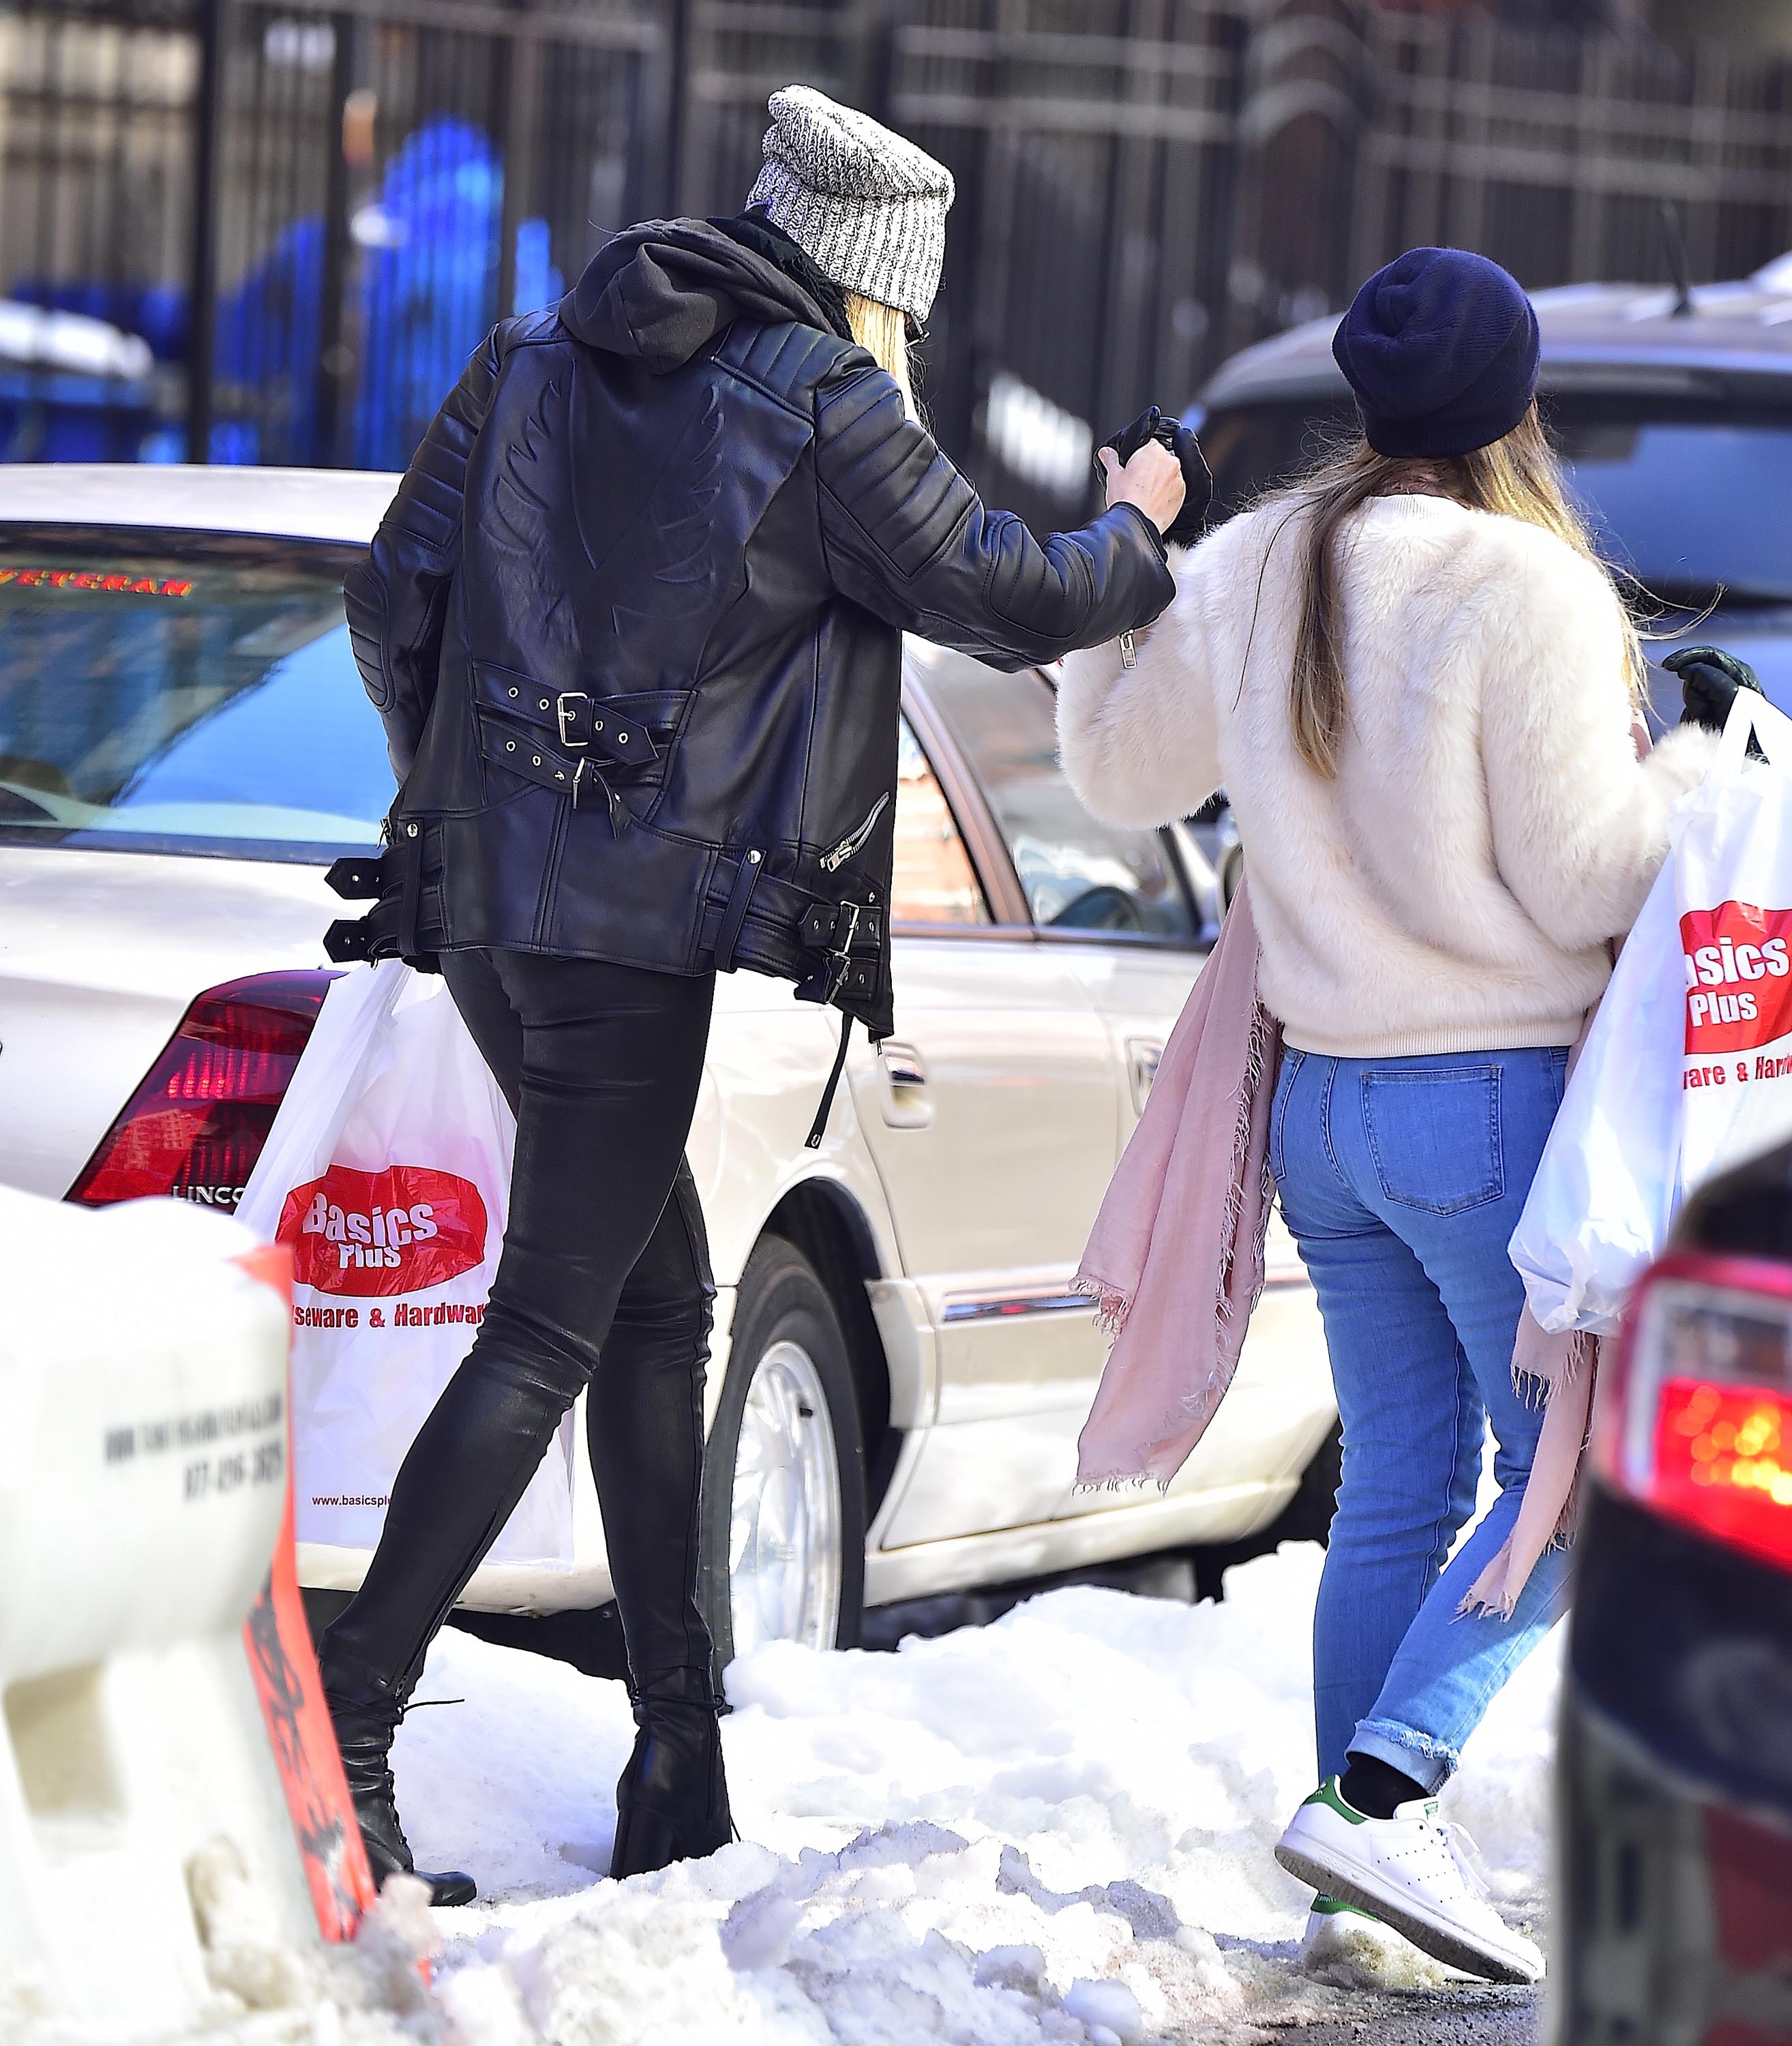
x,y
1441,349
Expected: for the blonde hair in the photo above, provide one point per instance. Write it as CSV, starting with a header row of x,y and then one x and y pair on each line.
x,y
882,332
1519,476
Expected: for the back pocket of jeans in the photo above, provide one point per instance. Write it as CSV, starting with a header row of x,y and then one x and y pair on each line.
x,y
1434,1132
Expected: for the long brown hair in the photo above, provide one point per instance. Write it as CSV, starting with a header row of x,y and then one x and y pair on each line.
x,y
1518,476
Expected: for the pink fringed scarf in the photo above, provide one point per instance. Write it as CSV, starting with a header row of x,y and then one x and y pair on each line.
x,y
1176,1260
1176,1264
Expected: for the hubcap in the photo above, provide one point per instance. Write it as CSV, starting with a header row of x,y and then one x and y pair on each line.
x,y
783,1547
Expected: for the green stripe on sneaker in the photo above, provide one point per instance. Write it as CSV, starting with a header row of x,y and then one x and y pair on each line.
x,y
1329,1793
1333,1907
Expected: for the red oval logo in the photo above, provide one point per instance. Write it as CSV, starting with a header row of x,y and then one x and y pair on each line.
x,y
1739,977
400,1230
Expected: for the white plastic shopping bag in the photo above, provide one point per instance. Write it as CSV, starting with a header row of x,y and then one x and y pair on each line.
x,y
387,1174
1688,1067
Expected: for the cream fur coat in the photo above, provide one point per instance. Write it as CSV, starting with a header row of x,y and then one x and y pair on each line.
x,y
1490,829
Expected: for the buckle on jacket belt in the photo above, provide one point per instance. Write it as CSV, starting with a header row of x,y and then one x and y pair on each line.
x,y
840,951
570,707
620,820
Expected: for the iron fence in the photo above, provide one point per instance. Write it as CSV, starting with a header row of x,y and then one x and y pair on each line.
x,y
394,178
307,212
1553,153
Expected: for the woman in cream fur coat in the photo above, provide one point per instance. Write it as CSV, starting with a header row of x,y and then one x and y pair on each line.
x,y
1418,687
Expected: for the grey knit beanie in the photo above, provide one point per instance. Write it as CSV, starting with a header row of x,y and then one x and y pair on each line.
x,y
867,207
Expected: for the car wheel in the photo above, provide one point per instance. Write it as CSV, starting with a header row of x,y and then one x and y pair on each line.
x,y
782,1554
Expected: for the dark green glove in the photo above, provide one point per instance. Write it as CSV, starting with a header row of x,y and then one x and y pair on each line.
x,y
1197,480
1708,680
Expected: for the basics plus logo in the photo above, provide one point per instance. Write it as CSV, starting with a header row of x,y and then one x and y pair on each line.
x,y
1739,977
395,1231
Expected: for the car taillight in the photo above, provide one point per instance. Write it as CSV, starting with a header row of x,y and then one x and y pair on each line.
x,y
1697,1422
196,1126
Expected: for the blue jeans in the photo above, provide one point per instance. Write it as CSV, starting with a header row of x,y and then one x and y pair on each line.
x,y
1402,1180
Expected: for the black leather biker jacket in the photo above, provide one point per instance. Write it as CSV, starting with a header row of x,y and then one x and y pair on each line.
x,y
633,624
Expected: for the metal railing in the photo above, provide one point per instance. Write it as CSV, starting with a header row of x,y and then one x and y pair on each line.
x,y
1144,186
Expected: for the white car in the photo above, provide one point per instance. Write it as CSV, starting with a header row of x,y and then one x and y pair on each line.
x,y
901,1367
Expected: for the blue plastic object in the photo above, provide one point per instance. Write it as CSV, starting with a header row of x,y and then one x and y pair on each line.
x,y
427,248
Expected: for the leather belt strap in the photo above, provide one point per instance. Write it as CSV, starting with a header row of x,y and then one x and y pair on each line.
x,y
841,927
806,924
521,752
358,877
818,1129
393,881
841,932
406,848
740,899
350,939
529,755
584,721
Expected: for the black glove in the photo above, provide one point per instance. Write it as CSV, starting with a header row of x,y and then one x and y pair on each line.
x,y
1709,681
1197,481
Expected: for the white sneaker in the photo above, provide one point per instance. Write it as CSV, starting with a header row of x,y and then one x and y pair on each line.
x,y
1350,1949
1413,1871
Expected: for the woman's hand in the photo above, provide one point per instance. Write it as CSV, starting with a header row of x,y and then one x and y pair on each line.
x,y
1152,481
1708,680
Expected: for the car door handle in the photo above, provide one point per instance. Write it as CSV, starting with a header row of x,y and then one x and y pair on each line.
x,y
1143,1058
903,1064
906,1105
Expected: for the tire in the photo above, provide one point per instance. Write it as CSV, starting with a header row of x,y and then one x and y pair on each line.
x,y
781,1555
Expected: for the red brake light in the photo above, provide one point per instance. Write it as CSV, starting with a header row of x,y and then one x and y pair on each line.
x,y
1697,1422
196,1126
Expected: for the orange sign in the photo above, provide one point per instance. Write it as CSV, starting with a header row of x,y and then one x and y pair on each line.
x,y
291,1692
285,1668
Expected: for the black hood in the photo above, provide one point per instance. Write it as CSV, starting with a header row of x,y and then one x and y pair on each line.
x,y
662,291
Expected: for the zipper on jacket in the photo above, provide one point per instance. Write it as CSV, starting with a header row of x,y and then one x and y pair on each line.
x,y
549,899
851,844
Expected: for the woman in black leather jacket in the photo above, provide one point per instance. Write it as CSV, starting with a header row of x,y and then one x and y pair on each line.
x,y
633,624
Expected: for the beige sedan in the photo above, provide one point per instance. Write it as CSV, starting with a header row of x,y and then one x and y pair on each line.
x,y
901,1366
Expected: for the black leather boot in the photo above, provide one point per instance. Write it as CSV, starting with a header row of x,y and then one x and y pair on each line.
x,y
671,1801
465,1471
366,1717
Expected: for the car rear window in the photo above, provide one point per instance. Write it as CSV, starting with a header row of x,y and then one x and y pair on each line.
x,y
1691,499
1252,449
162,695
1690,496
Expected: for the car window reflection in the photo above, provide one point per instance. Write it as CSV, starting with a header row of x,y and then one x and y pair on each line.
x,y
1077,873
934,882
182,704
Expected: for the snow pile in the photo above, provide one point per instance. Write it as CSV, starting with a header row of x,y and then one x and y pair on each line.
x,y
1056,1831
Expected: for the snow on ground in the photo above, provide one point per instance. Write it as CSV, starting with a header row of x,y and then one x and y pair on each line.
x,y
1057,1828
1055,1831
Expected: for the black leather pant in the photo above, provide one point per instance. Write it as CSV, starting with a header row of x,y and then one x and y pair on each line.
x,y
604,1280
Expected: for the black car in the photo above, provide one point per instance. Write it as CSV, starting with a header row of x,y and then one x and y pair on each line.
x,y
1675,427
1675,1770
